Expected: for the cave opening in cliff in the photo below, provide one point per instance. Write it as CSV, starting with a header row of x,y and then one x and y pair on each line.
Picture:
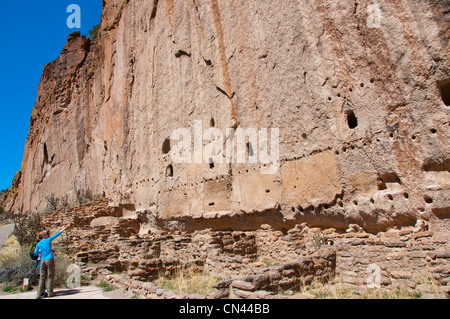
x,y
352,121
444,89
45,154
166,146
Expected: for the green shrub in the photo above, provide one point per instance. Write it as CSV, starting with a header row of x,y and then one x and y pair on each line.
x,y
94,32
106,287
10,289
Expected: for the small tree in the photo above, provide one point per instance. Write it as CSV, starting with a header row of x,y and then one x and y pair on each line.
x,y
52,203
84,196
94,32
64,202
27,228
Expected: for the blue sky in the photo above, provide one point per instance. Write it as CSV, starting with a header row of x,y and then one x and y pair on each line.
x,y
33,34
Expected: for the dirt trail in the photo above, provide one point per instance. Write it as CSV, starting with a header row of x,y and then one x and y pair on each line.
x,y
85,292
5,231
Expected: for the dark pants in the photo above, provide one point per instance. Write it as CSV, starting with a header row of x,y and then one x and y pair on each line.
x,y
47,274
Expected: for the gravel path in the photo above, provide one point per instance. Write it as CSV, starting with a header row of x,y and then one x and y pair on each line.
x,y
77,293
5,231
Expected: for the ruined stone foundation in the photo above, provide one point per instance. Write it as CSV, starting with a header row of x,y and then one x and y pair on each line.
x,y
255,264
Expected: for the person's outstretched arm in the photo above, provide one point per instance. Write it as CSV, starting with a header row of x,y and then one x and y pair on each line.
x,y
54,236
58,233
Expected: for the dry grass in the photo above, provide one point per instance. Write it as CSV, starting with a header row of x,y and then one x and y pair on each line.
x,y
186,280
10,249
343,292
189,281
427,281
16,264
338,290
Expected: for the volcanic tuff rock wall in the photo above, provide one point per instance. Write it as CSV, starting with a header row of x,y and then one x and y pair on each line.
x,y
358,89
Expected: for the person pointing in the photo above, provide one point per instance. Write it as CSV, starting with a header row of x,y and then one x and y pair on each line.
x,y
47,271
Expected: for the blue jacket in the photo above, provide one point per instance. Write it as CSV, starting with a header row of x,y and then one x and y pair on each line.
x,y
45,246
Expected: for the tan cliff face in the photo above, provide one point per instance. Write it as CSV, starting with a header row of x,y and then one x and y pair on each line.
x,y
357,90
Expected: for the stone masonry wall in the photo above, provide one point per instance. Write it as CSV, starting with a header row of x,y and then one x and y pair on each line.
x,y
254,262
